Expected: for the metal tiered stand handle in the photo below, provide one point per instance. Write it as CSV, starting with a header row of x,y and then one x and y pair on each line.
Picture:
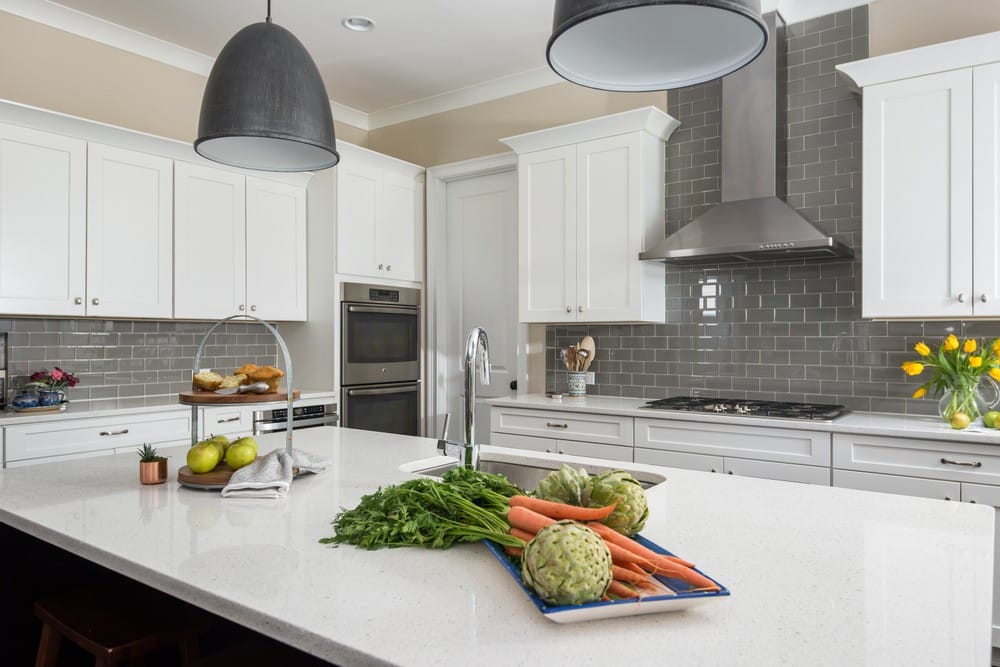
x,y
288,374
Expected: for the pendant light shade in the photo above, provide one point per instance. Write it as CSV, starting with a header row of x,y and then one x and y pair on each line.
x,y
645,45
265,106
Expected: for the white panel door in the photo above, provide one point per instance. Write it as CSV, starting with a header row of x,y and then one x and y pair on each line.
x,y
43,223
547,232
209,242
917,211
986,167
359,190
399,230
130,209
276,250
609,230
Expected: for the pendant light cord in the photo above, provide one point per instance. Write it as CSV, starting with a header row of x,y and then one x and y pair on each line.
x,y
268,11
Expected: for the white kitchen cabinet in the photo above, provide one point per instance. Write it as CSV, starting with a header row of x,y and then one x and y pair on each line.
x,y
595,450
590,199
129,233
380,225
786,472
554,425
897,484
226,420
986,190
43,223
241,246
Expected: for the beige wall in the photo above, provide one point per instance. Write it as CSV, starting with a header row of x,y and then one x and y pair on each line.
x,y
897,25
475,131
57,70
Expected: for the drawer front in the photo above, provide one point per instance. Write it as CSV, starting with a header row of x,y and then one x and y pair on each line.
x,y
786,472
54,459
595,450
56,438
768,444
225,421
523,442
903,486
918,458
983,495
659,457
603,429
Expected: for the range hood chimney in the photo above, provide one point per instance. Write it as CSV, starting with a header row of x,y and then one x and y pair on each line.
x,y
753,223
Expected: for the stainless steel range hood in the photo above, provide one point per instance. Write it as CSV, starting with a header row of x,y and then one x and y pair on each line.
x,y
753,223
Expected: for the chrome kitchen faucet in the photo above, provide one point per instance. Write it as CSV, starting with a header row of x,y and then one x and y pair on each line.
x,y
468,451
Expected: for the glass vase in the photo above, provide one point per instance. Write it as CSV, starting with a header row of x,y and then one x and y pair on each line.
x,y
963,398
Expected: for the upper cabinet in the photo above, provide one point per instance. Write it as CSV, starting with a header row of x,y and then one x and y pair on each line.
x,y
240,246
380,216
43,223
590,199
931,210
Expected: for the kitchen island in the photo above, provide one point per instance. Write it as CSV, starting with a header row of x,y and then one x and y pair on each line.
x,y
819,576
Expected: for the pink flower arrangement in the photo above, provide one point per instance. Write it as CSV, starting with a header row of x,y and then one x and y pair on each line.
x,y
57,379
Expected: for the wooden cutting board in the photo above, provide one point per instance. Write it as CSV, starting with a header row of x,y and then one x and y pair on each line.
x,y
198,397
215,479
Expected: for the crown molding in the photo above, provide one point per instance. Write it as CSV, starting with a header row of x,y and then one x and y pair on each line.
x,y
650,120
796,11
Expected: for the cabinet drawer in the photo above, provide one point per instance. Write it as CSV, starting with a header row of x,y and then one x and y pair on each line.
x,y
523,442
983,495
603,429
918,458
769,444
76,436
226,421
594,450
903,486
54,459
659,457
786,472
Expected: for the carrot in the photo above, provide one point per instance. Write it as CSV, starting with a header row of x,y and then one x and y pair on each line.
x,y
555,510
527,520
687,575
621,556
611,535
624,574
523,534
620,590
514,551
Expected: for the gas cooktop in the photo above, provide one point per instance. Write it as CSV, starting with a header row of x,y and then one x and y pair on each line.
x,y
740,406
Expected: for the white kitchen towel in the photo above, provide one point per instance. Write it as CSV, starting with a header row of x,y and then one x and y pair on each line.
x,y
271,475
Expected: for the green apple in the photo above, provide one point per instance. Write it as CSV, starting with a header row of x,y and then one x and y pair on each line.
x,y
222,440
240,454
245,440
203,457
960,420
990,419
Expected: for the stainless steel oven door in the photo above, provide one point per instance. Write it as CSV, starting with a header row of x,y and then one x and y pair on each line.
x,y
379,344
386,408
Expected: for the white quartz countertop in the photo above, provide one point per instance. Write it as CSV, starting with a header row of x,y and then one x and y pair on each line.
x,y
819,575
866,423
119,406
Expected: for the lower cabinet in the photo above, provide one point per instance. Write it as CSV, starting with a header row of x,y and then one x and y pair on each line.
x,y
573,447
788,472
228,420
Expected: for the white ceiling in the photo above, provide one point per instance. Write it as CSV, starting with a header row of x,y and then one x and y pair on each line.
x,y
424,56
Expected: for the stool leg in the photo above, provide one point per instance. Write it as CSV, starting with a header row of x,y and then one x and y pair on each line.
x,y
48,647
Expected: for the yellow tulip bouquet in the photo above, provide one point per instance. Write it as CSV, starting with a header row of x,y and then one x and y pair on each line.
x,y
958,368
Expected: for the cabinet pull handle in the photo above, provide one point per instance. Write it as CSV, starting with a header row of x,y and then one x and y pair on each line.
x,y
95,301
983,297
551,425
714,470
730,472
971,464
226,421
947,497
961,297
388,267
569,309
381,266
78,300
121,432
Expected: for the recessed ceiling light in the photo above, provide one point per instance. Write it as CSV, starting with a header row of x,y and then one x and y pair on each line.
x,y
358,23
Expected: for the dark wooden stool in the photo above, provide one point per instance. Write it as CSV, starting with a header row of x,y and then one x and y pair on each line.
x,y
118,621
260,652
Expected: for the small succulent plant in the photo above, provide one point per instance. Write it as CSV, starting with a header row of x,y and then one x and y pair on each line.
x,y
148,454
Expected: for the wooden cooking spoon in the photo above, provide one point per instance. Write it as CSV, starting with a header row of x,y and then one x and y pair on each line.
x,y
588,344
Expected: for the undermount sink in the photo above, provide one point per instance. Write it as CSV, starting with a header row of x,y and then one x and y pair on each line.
x,y
527,472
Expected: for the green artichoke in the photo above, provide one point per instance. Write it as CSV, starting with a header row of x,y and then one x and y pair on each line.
x,y
567,563
619,488
564,486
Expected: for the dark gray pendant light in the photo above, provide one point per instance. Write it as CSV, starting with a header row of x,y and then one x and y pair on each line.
x,y
643,45
265,106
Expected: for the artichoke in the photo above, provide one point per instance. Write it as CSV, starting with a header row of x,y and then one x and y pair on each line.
x,y
565,485
566,564
619,488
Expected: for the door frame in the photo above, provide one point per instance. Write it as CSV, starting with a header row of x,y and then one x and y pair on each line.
x,y
436,287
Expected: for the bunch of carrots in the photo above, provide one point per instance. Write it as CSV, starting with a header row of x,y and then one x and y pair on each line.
x,y
633,565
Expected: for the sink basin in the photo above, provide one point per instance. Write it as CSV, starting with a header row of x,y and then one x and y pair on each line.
x,y
527,472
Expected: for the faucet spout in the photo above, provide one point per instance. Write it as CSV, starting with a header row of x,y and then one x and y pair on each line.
x,y
477,345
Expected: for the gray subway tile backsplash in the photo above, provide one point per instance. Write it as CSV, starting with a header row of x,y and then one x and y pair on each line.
x,y
779,331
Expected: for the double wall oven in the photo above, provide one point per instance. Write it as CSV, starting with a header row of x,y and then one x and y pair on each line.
x,y
380,358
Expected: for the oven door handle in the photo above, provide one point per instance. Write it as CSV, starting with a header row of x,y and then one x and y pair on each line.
x,y
382,391
392,310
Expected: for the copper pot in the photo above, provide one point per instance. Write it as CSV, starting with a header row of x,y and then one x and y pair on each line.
x,y
153,472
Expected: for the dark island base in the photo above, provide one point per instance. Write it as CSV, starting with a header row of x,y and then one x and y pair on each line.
x,y
31,569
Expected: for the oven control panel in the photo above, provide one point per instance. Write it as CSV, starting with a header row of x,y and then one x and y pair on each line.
x,y
383,295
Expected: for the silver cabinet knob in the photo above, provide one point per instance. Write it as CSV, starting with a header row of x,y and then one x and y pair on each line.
x,y
388,267
95,301
569,309
242,307
961,297
78,300
580,308
983,297
381,266
253,309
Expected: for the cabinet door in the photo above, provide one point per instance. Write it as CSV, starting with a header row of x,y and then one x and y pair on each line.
x,y
986,169
595,450
898,484
609,230
43,223
276,250
209,242
785,472
524,442
129,233
683,460
399,232
547,243
917,211
359,189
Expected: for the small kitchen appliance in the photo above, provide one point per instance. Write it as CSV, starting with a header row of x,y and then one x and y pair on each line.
x,y
749,408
